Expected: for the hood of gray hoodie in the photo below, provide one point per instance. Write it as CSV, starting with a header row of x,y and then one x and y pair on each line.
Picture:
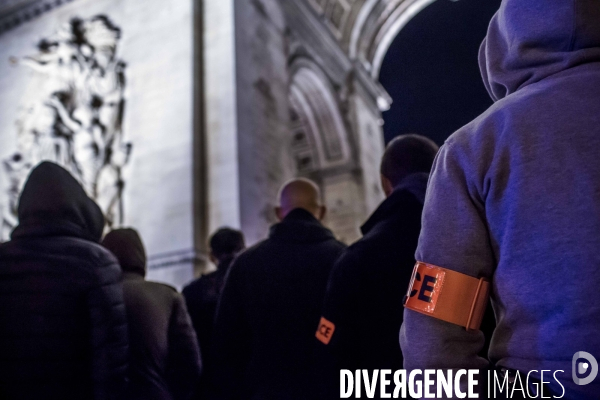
x,y
528,41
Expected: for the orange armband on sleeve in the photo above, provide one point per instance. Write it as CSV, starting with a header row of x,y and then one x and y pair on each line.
x,y
448,295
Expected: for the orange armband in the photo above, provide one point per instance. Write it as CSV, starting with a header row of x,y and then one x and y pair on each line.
x,y
448,295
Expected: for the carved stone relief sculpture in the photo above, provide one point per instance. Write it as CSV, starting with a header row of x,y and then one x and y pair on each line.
x,y
75,118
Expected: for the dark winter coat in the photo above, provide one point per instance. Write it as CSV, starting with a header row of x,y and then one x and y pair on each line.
x,y
201,297
63,332
165,360
368,283
264,340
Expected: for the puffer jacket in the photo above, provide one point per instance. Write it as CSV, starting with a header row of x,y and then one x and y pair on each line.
x,y
63,332
165,359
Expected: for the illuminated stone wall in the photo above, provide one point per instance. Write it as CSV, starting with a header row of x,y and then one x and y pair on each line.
x,y
217,115
98,77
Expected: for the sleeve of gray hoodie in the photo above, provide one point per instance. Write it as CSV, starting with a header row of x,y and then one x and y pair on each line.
x,y
454,235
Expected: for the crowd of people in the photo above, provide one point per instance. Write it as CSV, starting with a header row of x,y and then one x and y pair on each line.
x,y
507,208
80,321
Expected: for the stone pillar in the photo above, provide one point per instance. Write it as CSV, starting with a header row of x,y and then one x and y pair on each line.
x,y
221,115
366,121
342,194
262,112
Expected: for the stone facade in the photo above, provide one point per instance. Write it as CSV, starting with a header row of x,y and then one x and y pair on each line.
x,y
156,45
227,100
304,108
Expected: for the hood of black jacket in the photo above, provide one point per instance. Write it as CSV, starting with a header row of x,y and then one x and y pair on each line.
x,y
53,203
300,226
530,40
127,246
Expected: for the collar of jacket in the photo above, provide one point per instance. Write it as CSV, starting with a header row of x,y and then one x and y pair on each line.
x,y
390,208
226,261
416,184
224,265
300,226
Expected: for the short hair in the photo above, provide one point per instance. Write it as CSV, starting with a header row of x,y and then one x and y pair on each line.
x,y
226,242
407,154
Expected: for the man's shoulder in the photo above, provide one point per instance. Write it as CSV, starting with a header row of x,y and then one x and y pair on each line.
x,y
337,244
251,258
271,252
143,289
328,245
496,122
193,286
384,241
255,248
160,286
200,284
100,260
358,254
388,232
67,249
85,265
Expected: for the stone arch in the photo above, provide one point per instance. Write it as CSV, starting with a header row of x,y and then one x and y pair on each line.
x,y
319,136
323,146
376,25
365,29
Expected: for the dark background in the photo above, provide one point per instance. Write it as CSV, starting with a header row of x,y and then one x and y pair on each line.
x,y
431,70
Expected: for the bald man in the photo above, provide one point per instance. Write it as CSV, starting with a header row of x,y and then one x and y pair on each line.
x,y
264,345
364,296
300,193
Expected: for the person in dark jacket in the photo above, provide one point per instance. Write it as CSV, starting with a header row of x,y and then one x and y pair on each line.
x,y
63,330
201,296
367,284
165,360
264,345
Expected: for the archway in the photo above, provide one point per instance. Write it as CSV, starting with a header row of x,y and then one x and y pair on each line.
x,y
319,136
376,26
321,146
431,70
370,33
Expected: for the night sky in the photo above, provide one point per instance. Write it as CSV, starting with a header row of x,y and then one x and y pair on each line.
x,y
431,70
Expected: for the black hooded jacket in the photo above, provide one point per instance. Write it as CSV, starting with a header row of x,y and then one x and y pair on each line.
x,y
165,360
367,284
63,332
264,342
201,297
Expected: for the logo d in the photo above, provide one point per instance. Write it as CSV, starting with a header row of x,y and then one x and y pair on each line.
x,y
583,367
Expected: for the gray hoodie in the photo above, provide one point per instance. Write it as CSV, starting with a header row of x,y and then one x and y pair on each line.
x,y
515,196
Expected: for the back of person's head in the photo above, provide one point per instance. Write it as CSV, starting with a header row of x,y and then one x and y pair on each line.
x,y
226,243
53,202
406,155
127,246
300,193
